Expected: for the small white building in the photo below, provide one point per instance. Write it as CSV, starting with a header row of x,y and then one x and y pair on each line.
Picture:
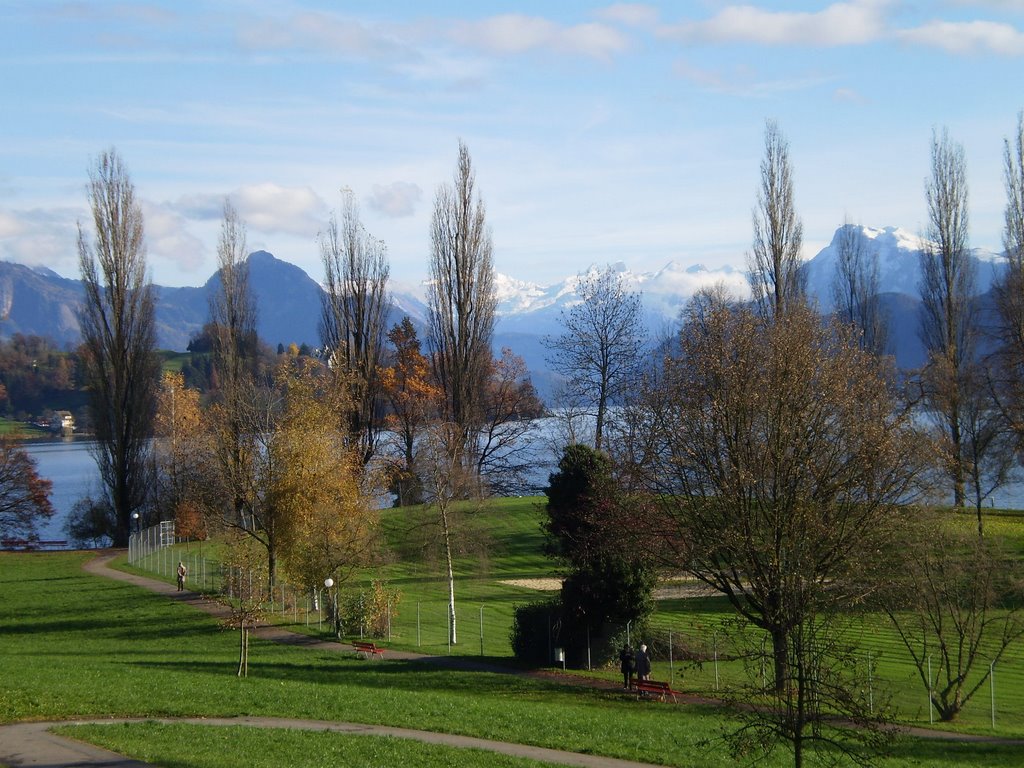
x,y
63,422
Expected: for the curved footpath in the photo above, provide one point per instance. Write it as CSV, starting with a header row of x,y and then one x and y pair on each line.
x,y
31,744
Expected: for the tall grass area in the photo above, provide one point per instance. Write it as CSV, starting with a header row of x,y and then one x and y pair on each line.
x,y
502,543
77,646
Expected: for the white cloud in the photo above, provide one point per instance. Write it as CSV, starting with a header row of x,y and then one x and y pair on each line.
x,y
630,14
41,238
849,96
514,34
744,81
850,23
396,200
267,207
967,37
999,5
321,31
272,208
9,225
169,240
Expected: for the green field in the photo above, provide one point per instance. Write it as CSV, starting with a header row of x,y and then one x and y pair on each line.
x,y
508,534
75,645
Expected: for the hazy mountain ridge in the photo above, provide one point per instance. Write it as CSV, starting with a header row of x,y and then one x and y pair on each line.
x,y
38,301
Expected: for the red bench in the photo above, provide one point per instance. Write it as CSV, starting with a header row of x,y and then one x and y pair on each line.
x,y
655,688
367,650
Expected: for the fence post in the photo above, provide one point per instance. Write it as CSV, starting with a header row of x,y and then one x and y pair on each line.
x,y
588,648
671,662
715,641
931,709
992,690
481,630
871,690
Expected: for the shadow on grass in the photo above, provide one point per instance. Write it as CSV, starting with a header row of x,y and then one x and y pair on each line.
x,y
409,676
917,751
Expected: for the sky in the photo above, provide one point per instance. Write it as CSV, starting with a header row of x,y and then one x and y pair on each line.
x,y
600,133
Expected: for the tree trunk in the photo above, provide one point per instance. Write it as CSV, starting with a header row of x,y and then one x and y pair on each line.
x,y
241,650
452,635
780,658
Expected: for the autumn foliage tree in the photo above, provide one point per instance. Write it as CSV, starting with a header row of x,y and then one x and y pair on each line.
x,y
24,495
328,520
181,454
414,398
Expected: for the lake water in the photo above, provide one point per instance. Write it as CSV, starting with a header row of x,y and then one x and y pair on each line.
x,y
69,464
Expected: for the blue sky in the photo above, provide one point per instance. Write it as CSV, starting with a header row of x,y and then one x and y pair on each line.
x,y
600,132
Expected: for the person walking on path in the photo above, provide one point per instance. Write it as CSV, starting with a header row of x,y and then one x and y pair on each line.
x,y
643,664
182,573
627,663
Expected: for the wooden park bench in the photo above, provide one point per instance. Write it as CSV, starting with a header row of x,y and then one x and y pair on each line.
x,y
655,688
367,650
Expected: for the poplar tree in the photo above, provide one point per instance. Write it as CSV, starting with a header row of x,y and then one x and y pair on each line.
x,y
118,338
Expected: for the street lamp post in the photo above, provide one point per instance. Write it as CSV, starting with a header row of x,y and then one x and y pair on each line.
x,y
133,549
328,583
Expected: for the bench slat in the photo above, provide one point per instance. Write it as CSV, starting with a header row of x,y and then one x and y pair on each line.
x,y
660,689
367,649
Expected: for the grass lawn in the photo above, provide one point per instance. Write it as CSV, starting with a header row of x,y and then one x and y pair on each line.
x,y
509,547
241,747
17,429
75,645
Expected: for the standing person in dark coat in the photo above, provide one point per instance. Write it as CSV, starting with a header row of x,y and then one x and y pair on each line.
x,y
627,663
643,664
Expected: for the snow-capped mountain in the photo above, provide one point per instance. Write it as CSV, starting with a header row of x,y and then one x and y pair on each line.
x,y
38,301
899,263
533,308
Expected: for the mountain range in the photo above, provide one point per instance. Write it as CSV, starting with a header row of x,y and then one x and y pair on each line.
x,y
39,301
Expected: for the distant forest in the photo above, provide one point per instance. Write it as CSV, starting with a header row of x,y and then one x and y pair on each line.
x,y
39,377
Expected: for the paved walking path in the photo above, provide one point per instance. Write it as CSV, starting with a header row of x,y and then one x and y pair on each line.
x,y
31,744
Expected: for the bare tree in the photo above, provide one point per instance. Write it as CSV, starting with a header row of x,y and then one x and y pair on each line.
x,y
447,484
119,339
957,597
947,318
775,459
504,452
461,301
234,354
855,290
1008,291
355,309
601,351
777,279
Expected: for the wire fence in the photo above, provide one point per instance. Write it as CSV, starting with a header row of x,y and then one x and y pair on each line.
x,y
425,625
703,660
